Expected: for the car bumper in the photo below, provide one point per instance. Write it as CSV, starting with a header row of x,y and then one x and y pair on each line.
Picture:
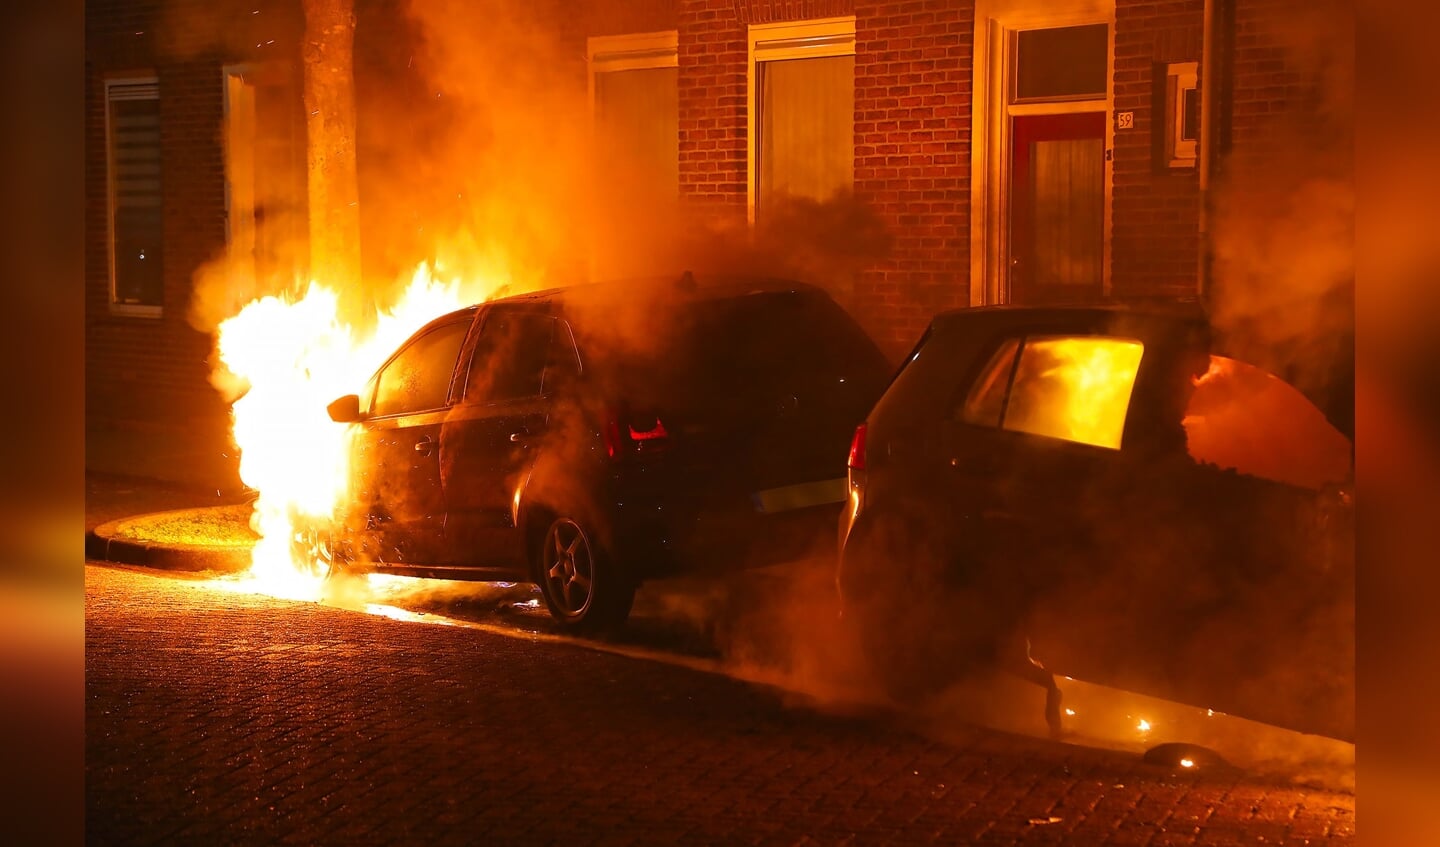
x,y
663,535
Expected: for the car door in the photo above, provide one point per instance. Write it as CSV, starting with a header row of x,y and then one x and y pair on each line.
x,y
491,437
1033,445
1265,621
1035,428
397,447
1201,564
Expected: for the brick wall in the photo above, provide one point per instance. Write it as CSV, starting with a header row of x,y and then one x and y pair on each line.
x,y
912,159
1292,65
713,53
1155,214
624,17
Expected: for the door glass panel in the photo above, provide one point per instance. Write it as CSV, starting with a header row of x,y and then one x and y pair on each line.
x,y
418,379
1057,209
1077,389
1067,194
1063,62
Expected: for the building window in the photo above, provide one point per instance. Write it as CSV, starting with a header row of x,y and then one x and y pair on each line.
x,y
802,111
1182,114
132,136
635,123
1060,63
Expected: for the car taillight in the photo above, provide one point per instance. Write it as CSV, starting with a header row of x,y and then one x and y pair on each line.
x,y
857,449
655,432
627,433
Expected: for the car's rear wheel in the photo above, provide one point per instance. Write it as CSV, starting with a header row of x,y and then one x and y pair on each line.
x,y
583,588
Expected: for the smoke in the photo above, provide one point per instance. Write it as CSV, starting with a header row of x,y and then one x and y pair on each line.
x,y
1283,206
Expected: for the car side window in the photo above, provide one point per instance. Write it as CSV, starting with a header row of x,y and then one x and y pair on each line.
x,y
418,378
1075,388
563,359
510,357
1242,418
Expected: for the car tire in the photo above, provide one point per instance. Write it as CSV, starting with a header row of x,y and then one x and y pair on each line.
x,y
322,552
584,589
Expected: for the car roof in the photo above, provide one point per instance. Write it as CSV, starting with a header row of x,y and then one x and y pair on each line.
x,y
695,286
1160,313
1334,396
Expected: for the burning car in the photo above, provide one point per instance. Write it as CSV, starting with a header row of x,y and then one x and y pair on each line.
x,y
588,438
1105,488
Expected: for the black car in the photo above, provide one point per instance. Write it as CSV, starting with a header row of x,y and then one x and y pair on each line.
x,y
1104,488
591,437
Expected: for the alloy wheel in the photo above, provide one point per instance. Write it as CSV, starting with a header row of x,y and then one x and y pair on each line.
x,y
569,564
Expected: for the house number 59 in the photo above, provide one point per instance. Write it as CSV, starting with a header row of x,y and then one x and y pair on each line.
x,y
1125,120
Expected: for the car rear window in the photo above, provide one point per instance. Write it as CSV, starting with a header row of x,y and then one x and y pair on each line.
x,y
750,349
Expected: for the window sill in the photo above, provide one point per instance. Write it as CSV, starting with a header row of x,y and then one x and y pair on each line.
x,y
130,310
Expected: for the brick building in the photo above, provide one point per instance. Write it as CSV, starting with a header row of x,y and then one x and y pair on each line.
x,y
1015,150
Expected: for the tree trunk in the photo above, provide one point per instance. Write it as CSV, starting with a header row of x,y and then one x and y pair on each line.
x,y
329,94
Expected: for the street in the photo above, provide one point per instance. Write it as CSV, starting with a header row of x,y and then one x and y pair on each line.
x,y
218,716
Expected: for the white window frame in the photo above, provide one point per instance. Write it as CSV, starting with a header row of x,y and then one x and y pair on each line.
x,y
634,52
812,39
152,82
997,24
1180,77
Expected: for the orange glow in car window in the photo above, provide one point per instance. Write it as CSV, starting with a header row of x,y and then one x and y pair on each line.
x,y
1077,389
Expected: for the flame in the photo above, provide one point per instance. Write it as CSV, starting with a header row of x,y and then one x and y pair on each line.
x,y
295,356
1075,388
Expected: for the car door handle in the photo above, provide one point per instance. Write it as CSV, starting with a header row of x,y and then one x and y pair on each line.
x,y
425,446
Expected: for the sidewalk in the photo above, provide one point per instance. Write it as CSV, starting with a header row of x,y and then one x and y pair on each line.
x,y
110,500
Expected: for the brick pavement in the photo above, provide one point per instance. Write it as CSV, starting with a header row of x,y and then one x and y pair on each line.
x,y
214,717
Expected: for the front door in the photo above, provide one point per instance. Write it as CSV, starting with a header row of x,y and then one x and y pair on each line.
x,y
398,448
1057,208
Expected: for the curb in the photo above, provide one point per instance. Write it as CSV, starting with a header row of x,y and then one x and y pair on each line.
x,y
102,545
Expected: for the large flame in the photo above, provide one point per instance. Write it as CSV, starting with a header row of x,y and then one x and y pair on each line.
x,y
295,356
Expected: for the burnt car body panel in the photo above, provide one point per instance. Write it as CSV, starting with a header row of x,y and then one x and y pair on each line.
x,y
1138,567
748,472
